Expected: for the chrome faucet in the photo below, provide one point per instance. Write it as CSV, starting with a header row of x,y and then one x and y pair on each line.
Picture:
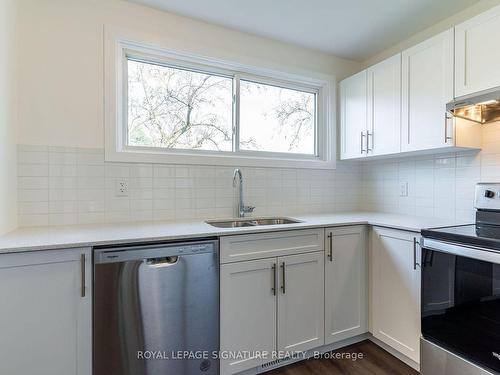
x,y
242,209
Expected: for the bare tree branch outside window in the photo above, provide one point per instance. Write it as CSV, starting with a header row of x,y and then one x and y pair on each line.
x,y
276,119
182,109
174,108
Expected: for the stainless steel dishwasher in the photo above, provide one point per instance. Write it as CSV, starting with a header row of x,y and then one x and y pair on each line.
x,y
156,309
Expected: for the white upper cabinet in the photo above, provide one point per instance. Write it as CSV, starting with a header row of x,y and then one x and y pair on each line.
x,y
353,119
371,111
427,87
477,53
46,313
384,107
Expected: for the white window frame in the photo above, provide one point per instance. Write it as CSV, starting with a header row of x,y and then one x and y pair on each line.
x,y
120,44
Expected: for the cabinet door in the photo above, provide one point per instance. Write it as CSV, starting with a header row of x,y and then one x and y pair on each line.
x,y
395,291
353,112
248,311
477,54
427,87
384,107
345,283
45,318
301,302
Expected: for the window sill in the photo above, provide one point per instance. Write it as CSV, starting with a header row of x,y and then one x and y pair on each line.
x,y
163,157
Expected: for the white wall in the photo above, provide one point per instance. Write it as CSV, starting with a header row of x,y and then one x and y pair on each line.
x,y
8,113
61,61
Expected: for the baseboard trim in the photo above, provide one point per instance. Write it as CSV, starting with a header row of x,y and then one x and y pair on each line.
x,y
395,353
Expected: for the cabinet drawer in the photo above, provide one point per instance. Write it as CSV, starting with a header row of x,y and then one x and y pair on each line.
x,y
266,245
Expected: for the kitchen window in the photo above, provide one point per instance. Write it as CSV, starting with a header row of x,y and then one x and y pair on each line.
x,y
168,107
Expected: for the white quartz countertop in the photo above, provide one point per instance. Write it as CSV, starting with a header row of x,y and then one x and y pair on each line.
x,y
72,236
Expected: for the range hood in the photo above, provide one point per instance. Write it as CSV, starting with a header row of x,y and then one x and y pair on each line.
x,y
482,107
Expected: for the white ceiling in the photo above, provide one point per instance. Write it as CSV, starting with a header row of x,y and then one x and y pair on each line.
x,y
353,29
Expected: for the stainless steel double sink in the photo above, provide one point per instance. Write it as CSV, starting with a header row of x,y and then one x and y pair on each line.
x,y
253,222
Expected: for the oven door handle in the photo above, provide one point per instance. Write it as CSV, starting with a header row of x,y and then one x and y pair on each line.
x,y
472,252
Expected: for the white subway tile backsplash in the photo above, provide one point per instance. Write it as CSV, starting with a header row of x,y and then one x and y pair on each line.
x,y
33,182
59,170
61,207
33,220
59,185
33,157
32,170
440,185
63,218
91,217
33,195
64,158
32,208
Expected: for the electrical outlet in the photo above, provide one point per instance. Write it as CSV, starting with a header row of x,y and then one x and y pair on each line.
x,y
121,188
403,189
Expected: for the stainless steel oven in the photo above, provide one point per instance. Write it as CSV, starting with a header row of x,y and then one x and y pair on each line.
x,y
460,309
460,313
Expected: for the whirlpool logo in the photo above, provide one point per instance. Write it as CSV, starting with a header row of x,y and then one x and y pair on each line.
x,y
496,355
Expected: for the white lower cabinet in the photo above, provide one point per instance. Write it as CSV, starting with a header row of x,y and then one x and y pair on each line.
x,y
272,304
248,311
395,290
45,314
345,283
300,302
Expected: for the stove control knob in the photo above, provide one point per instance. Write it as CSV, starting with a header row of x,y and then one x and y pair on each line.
x,y
489,194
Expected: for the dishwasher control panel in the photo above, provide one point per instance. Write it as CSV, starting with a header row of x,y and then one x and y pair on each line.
x,y
141,252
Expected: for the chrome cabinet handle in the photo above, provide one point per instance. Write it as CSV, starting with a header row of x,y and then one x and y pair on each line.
x,y
283,278
330,252
368,135
273,289
446,118
415,243
82,269
361,141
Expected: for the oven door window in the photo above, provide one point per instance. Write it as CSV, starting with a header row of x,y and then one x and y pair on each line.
x,y
461,306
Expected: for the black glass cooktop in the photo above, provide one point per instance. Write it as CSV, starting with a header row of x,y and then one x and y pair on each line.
x,y
487,236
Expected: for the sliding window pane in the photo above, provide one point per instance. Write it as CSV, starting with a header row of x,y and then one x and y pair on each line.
x,y
276,119
178,109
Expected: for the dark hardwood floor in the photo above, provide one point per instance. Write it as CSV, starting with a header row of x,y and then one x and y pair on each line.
x,y
375,361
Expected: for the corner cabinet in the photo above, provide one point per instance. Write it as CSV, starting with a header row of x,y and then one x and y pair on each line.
x,y
477,54
263,299
345,283
45,318
395,290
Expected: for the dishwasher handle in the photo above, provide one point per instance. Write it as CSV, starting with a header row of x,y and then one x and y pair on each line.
x,y
154,253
